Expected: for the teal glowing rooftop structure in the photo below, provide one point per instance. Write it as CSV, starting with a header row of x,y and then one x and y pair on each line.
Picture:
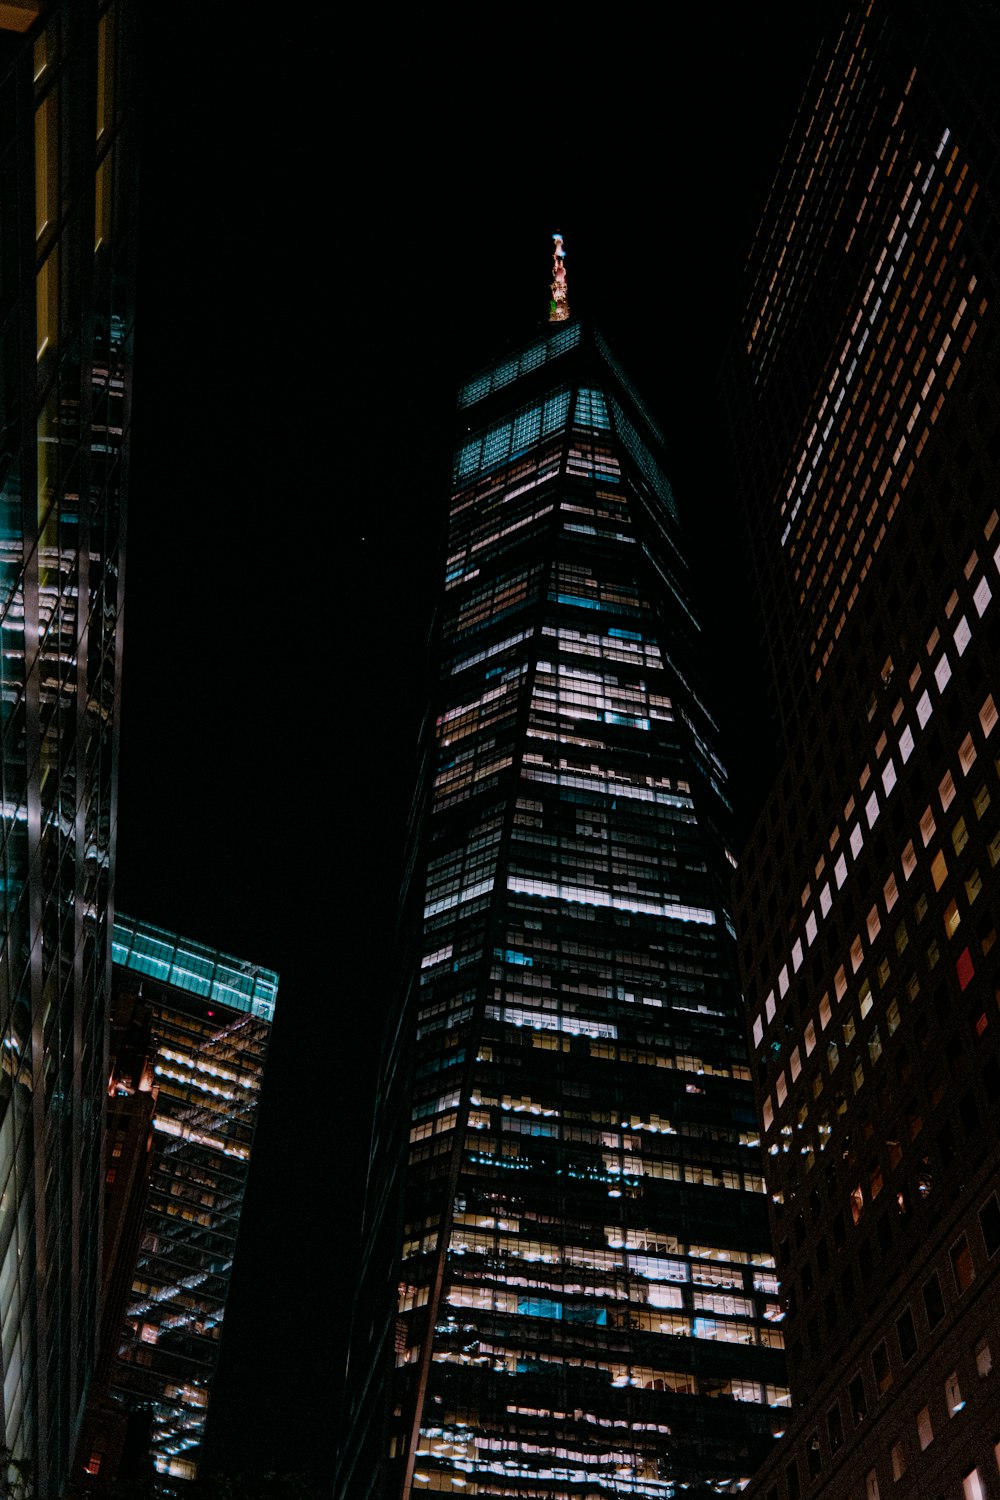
x,y
184,965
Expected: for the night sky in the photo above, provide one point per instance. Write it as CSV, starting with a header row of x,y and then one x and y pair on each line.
x,y
338,223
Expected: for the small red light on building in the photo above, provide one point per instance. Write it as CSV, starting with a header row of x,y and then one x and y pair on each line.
x,y
963,967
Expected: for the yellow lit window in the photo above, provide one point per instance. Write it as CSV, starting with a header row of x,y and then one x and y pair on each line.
x,y
939,870
951,918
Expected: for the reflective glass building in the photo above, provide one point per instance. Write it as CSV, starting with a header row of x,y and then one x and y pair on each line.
x,y
192,1026
566,1244
866,411
66,279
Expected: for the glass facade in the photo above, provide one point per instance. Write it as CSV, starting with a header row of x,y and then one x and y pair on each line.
x,y
566,1195
868,900
66,278
207,1019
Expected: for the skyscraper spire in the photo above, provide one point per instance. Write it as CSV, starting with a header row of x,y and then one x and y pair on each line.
x,y
559,306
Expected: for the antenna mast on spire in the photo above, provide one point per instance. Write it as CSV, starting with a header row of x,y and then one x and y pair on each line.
x,y
559,306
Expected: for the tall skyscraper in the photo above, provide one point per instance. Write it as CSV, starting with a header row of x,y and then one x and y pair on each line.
x,y
865,404
565,1199
190,1028
66,257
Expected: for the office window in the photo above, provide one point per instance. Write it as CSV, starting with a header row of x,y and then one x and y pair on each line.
x,y
972,1486
898,1459
953,1394
925,1428
871,1486
961,1264
989,1223
933,1301
814,1457
835,1428
792,1482
984,1358
906,1334
856,1397
881,1368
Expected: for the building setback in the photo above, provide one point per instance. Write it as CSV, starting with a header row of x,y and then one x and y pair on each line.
x,y
67,236
568,1284
866,409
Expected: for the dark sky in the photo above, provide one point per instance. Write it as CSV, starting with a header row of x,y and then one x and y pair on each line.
x,y
338,222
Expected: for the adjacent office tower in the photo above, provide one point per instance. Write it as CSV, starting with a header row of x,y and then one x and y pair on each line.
x,y
66,253
190,1028
867,413
565,1198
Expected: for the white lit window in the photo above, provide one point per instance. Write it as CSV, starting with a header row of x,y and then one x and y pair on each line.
x,y
982,596
797,955
953,1394
857,840
826,899
871,806
840,871
963,635
888,777
972,1486
924,708
769,1006
942,672
811,928
783,980
906,744
758,1031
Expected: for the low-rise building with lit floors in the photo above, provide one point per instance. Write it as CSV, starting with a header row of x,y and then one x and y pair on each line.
x,y
190,1028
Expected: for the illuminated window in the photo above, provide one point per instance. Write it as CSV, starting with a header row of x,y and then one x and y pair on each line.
x,y
953,1394
939,870
93,1464
898,1459
972,1486
925,1428
967,754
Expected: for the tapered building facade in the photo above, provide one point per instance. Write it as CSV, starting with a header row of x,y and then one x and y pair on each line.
x,y
66,261
866,409
568,1285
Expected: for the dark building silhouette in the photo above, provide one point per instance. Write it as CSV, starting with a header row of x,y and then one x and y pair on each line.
x,y
866,409
565,1244
67,237
189,1032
